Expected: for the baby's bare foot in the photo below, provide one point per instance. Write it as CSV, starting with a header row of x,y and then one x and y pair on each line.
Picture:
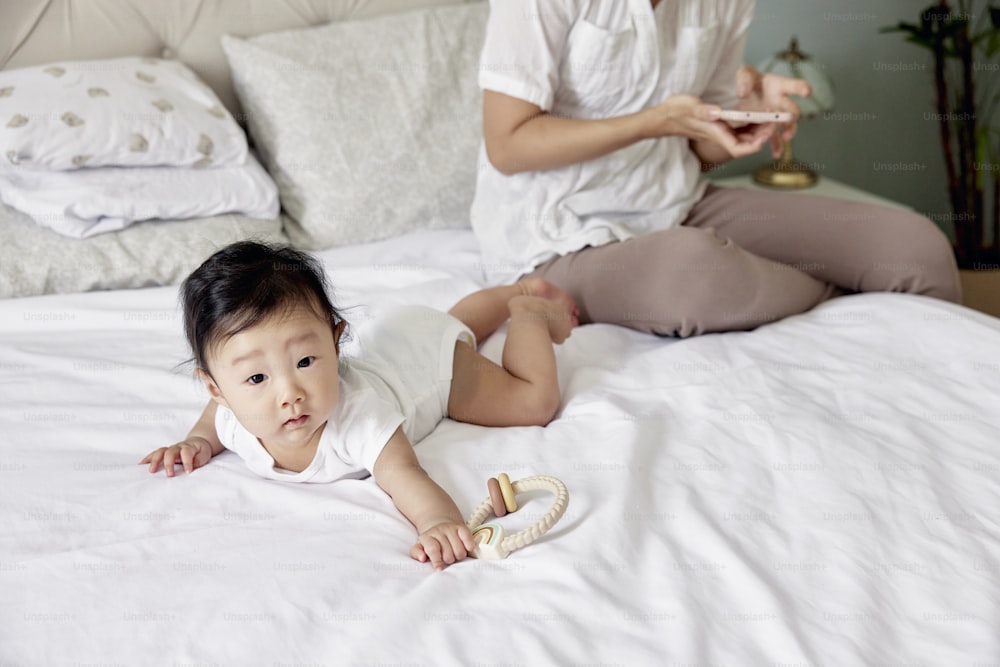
x,y
553,314
560,320
543,288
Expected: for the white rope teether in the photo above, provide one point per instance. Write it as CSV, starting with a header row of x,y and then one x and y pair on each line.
x,y
491,543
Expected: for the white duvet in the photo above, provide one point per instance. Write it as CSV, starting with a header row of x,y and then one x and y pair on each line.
x,y
820,491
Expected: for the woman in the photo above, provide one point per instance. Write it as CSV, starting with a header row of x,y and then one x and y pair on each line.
x,y
599,117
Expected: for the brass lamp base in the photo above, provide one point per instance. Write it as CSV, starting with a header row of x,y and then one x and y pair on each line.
x,y
785,175
785,172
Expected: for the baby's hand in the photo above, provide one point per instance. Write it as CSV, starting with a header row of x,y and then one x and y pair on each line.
x,y
193,453
443,544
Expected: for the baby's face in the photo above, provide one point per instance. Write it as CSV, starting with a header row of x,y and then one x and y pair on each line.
x,y
279,377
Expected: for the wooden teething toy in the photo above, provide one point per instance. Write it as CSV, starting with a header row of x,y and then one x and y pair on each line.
x,y
507,493
496,496
491,542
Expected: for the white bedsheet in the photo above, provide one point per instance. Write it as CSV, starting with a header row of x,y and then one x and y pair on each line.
x,y
821,491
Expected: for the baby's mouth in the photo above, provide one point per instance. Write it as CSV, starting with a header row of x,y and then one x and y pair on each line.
x,y
297,421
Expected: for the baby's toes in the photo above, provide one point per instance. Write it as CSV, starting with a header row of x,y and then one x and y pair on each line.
x,y
561,325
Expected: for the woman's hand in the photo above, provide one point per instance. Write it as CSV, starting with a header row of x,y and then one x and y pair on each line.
x,y
443,544
687,116
771,92
193,453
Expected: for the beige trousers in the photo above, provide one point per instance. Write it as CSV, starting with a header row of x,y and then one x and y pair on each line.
x,y
746,257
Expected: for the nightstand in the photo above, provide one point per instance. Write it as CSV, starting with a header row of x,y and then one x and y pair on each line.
x,y
826,187
980,289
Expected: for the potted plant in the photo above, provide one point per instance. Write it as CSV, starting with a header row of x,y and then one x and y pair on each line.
x,y
964,44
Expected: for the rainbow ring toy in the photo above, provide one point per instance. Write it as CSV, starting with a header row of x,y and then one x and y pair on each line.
x,y
491,541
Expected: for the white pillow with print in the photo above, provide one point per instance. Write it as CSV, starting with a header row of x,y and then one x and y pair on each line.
x,y
117,112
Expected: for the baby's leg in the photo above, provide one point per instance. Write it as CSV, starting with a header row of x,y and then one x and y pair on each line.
x,y
525,390
484,311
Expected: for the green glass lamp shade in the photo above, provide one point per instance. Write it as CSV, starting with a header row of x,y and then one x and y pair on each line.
x,y
797,65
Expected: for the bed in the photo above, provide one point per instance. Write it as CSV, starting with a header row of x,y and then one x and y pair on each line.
x,y
819,491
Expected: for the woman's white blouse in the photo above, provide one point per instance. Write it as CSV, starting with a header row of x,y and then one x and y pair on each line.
x,y
600,59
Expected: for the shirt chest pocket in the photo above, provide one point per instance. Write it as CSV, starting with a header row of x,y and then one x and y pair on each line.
x,y
601,70
694,60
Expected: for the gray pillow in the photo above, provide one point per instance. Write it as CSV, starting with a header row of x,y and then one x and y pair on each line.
x,y
370,128
35,260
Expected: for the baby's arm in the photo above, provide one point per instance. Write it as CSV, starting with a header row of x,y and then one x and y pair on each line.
x,y
443,536
201,444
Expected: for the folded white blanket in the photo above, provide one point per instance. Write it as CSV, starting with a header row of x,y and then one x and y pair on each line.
x,y
85,202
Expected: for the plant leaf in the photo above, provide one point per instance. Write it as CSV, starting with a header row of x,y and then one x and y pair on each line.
x,y
919,41
982,158
902,26
988,42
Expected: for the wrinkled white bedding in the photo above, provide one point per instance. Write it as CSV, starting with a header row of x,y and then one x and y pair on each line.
x,y
821,491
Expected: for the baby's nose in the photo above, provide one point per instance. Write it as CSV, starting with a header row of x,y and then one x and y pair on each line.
x,y
292,393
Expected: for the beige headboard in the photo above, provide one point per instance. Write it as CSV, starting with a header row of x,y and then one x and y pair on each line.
x,y
34,32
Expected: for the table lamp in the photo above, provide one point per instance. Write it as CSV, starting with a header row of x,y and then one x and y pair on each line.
x,y
786,172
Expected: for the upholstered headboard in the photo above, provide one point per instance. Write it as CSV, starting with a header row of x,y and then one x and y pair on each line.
x,y
33,32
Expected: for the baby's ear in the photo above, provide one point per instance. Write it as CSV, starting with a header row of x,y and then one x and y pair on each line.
x,y
338,332
213,389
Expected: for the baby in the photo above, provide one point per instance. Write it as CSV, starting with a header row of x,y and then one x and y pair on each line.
x,y
266,341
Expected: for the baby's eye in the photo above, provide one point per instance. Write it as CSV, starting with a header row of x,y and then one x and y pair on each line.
x,y
256,378
305,362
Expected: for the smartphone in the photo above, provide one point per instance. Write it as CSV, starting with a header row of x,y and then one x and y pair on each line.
x,y
734,115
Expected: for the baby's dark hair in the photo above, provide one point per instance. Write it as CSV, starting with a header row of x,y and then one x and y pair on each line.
x,y
245,283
